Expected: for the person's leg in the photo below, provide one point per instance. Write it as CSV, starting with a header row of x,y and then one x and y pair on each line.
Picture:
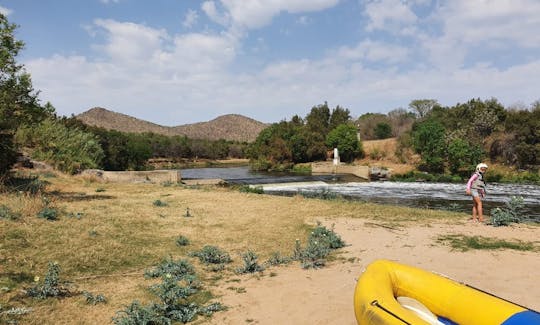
x,y
477,209
474,205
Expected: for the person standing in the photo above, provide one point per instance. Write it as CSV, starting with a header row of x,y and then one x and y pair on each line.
x,y
476,186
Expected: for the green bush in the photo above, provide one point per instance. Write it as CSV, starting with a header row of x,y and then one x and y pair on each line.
x,y
508,214
94,300
212,255
321,242
51,286
48,213
277,259
159,203
182,241
250,263
177,269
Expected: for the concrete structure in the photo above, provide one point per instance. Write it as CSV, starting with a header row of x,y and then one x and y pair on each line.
x,y
330,168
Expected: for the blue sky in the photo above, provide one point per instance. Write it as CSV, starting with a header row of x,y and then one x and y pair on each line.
x,y
175,62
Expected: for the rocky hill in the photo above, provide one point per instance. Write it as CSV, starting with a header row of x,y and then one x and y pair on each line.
x,y
229,127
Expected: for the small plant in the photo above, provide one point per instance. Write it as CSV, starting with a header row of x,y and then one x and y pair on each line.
x,y
212,255
92,233
188,214
182,241
321,242
100,189
277,259
177,269
51,286
94,300
251,189
48,214
250,263
508,214
136,313
6,213
159,203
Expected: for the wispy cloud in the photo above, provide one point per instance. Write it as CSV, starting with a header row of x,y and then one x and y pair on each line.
x,y
190,19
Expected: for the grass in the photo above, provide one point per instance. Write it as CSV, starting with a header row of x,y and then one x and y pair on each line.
x,y
465,243
130,237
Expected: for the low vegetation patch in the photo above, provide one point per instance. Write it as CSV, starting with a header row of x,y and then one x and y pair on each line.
x,y
320,243
511,212
465,243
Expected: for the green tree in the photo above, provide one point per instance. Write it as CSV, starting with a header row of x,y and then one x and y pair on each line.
x,y
318,119
383,130
345,139
428,140
68,149
339,116
18,100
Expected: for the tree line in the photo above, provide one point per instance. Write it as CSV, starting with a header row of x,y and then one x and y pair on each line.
x,y
447,139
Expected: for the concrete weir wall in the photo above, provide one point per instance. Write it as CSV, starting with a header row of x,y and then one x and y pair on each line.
x,y
330,168
151,176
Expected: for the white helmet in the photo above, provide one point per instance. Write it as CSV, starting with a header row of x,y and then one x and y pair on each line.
x,y
481,165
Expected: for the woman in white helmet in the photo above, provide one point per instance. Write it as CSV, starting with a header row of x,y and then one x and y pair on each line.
x,y
476,186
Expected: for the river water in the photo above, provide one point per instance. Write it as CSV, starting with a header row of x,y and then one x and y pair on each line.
x,y
444,196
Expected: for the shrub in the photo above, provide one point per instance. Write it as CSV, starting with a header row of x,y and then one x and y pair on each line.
x,y
48,213
508,214
51,286
159,203
139,314
94,300
212,255
250,263
321,242
277,259
182,241
177,269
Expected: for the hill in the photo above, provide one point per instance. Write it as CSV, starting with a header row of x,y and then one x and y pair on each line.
x,y
232,127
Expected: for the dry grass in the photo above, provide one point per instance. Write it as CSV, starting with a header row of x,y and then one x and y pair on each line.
x,y
121,233
381,153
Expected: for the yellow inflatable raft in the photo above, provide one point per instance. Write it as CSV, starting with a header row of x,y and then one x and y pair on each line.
x,y
428,298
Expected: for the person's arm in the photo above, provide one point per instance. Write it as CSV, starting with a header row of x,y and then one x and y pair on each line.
x,y
469,183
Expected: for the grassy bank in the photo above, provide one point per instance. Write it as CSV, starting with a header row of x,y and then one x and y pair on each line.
x,y
106,235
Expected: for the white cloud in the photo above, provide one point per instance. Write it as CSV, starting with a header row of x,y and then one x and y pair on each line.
x,y
174,79
109,1
190,18
488,20
487,26
258,13
210,9
5,11
389,15
375,51
128,42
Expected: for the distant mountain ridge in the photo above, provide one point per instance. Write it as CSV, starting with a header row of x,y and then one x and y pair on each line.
x,y
231,127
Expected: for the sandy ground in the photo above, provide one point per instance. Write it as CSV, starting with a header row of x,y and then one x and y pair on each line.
x,y
292,295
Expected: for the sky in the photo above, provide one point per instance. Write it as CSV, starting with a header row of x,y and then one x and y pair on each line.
x,y
175,62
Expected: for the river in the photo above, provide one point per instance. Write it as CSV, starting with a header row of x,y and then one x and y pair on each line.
x,y
446,196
